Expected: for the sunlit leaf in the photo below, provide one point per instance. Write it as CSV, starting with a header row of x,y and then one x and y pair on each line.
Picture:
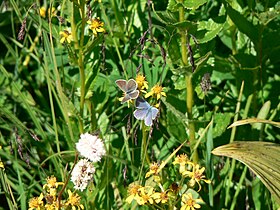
x,y
261,157
254,120
173,5
212,28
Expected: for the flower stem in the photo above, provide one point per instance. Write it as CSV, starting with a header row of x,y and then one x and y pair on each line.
x,y
189,87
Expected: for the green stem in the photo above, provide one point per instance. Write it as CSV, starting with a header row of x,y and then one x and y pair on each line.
x,y
189,87
78,44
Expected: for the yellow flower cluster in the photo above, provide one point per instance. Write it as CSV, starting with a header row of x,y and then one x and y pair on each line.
x,y
155,193
49,198
157,91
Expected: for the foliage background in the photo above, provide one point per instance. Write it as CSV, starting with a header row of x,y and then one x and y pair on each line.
x,y
42,116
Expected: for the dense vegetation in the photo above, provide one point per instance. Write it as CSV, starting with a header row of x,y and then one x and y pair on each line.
x,y
118,104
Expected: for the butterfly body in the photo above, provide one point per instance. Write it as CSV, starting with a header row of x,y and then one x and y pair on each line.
x,y
145,111
129,88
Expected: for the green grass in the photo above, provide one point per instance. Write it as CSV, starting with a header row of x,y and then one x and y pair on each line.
x,y
51,93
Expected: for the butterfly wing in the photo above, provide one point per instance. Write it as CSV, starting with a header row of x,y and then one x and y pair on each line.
x,y
154,112
126,97
150,116
134,94
122,84
131,85
142,104
140,114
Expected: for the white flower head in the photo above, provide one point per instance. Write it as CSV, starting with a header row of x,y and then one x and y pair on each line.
x,y
91,147
82,174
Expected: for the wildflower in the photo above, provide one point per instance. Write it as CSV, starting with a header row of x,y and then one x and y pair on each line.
x,y
91,147
154,170
96,25
52,206
66,36
189,202
156,91
141,82
42,12
133,191
146,195
74,200
82,174
52,183
160,197
36,202
196,176
182,160
1,164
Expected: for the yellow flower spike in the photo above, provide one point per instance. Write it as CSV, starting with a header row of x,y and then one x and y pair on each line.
x,y
141,82
36,202
189,203
156,91
196,176
74,200
66,36
96,25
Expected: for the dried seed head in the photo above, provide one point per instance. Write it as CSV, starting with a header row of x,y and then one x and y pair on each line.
x,y
205,83
22,30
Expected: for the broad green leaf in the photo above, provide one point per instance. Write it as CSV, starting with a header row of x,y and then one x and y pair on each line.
x,y
212,28
261,157
221,121
173,5
243,24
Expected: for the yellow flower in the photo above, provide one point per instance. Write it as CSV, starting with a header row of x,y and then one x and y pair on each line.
x,y
160,197
141,82
196,176
146,195
51,183
189,202
36,202
182,160
133,191
1,164
66,36
74,200
96,25
42,12
53,206
156,91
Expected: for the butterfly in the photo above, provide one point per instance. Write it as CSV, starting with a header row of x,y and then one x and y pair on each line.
x,y
145,111
129,88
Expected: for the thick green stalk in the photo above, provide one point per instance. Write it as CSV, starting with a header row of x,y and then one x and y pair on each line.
x,y
189,87
78,44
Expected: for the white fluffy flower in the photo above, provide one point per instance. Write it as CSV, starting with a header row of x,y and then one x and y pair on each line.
x,y
91,147
82,174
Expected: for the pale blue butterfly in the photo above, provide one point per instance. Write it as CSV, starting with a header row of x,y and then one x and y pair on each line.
x,y
129,88
145,111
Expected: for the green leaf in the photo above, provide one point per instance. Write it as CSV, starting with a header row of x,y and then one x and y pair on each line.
x,y
261,157
243,24
173,5
212,28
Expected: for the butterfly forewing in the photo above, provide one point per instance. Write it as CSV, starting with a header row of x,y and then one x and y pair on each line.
x,y
131,86
122,84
